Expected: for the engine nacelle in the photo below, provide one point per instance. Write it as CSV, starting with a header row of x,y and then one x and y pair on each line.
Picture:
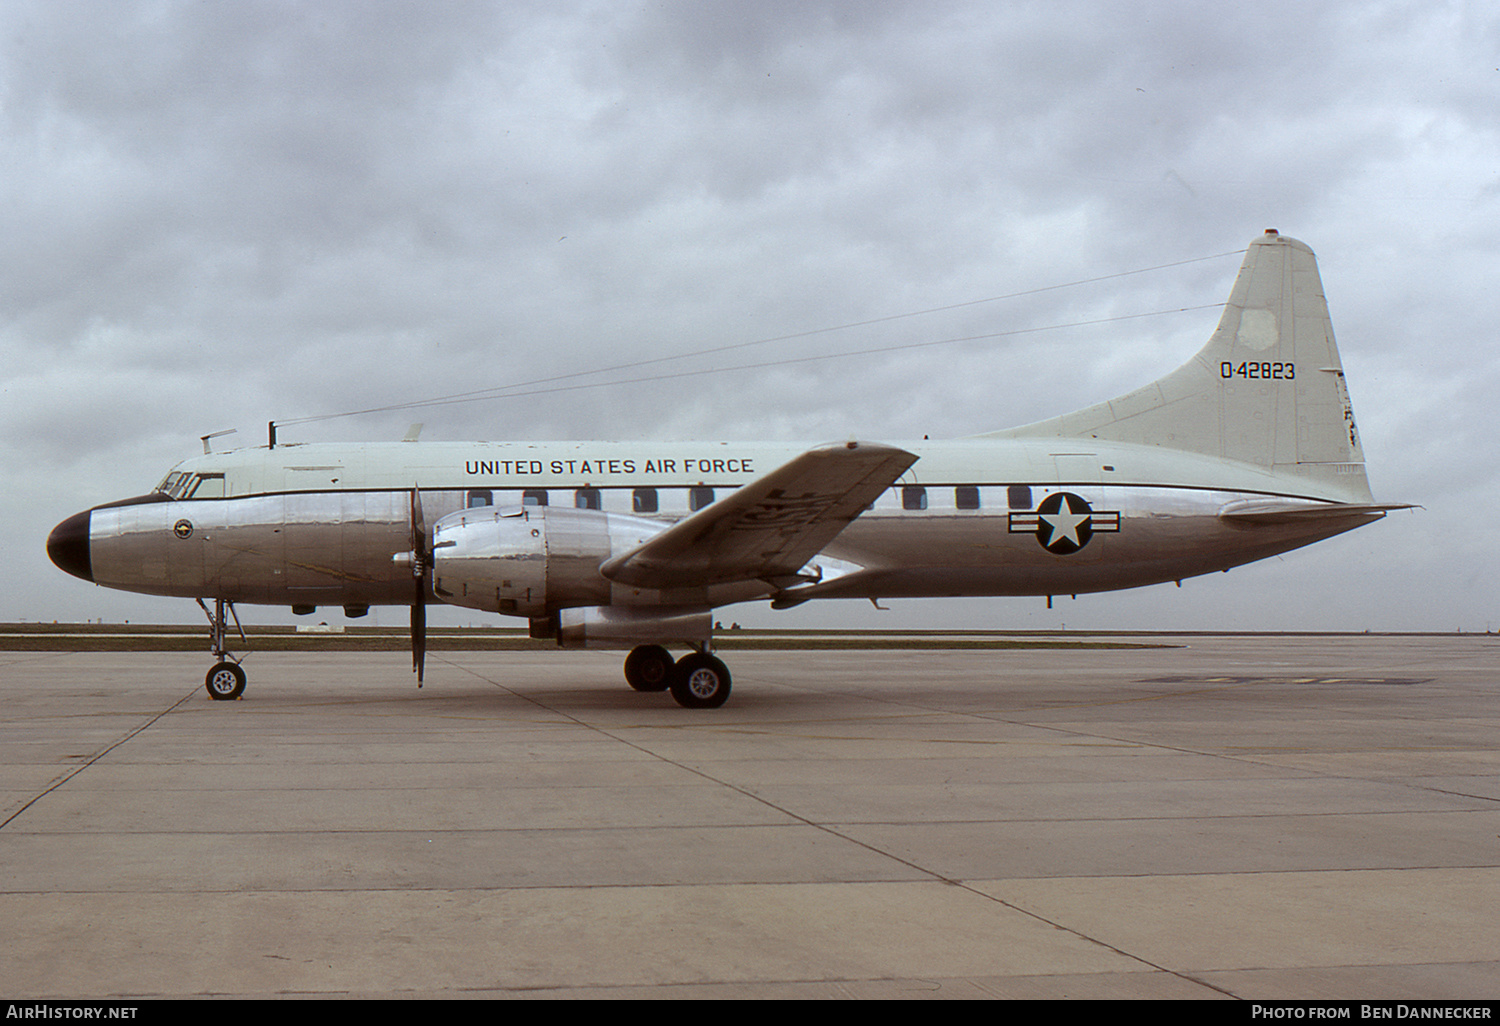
x,y
530,560
628,626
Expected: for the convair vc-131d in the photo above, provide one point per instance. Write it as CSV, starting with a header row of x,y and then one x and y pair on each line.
x,y
1246,451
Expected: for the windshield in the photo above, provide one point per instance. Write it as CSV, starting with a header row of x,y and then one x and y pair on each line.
x,y
174,484
186,485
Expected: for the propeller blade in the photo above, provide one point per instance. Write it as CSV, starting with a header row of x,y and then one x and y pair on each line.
x,y
418,525
418,638
421,567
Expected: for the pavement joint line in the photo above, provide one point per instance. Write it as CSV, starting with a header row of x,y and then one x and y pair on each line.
x,y
825,828
93,759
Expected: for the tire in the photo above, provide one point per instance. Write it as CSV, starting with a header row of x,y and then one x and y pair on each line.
x,y
225,682
700,682
649,668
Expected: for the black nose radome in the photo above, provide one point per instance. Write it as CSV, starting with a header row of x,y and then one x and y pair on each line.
x,y
68,546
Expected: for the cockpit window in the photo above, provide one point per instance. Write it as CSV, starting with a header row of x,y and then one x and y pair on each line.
x,y
206,486
182,485
174,484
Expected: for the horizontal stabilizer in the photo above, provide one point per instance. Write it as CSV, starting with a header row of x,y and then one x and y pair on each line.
x,y
770,528
1274,511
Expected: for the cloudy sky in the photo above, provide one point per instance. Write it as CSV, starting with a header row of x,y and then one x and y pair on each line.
x,y
223,212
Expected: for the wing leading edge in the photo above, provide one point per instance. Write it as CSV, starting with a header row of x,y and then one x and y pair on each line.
x,y
770,528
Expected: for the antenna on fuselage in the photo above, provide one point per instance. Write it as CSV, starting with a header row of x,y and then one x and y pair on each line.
x,y
271,432
217,434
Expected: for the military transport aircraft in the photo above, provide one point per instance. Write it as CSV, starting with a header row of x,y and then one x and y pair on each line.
x,y
1246,451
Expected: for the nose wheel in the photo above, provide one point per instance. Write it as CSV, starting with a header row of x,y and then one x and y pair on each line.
x,y
226,681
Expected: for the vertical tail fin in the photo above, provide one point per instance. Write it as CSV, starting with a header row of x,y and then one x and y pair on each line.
x,y
1267,389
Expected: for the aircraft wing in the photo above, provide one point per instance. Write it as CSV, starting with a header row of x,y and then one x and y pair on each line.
x,y
769,528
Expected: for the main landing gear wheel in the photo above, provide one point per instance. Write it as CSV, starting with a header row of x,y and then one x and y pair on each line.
x,y
700,681
649,668
225,682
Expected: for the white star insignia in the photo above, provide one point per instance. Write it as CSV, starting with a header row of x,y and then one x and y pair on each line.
x,y
1064,524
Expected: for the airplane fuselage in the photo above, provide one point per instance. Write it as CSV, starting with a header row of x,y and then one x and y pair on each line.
x,y
322,524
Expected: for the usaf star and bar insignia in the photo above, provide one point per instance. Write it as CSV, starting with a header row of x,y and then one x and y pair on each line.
x,y
1063,523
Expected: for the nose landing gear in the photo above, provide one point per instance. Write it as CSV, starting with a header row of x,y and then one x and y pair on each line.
x,y
226,680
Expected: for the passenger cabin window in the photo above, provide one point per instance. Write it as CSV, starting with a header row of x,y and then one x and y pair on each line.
x,y
643,500
700,497
587,498
1018,496
913,497
534,497
966,496
479,497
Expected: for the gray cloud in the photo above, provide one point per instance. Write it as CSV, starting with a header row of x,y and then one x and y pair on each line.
x,y
222,214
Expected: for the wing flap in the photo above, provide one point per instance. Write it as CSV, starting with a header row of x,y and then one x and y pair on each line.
x,y
771,527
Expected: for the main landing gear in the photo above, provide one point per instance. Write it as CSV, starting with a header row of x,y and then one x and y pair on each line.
x,y
226,681
697,680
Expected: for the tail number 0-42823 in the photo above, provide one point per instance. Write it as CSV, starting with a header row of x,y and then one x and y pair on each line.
x,y
1259,371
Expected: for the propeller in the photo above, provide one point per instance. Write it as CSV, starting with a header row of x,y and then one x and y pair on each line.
x,y
421,568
